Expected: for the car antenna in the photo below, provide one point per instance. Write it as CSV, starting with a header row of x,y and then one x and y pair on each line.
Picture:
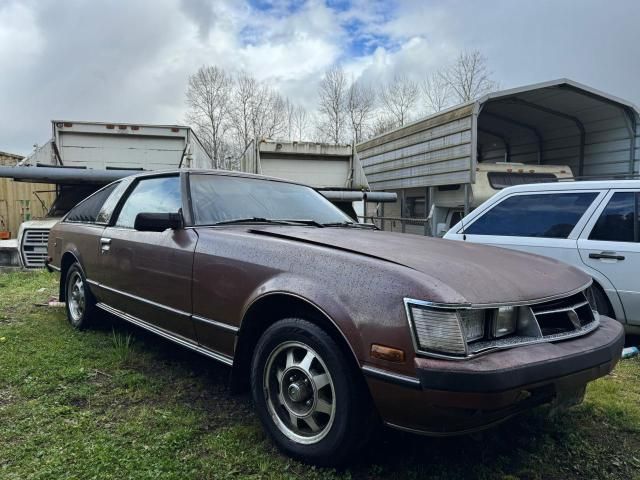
x,y
464,235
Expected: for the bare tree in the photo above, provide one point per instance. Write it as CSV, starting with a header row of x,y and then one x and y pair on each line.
x,y
300,123
437,93
360,104
274,115
383,124
332,120
469,76
399,98
207,97
257,111
241,112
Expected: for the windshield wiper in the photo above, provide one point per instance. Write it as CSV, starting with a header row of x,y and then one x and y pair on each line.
x,y
368,226
271,221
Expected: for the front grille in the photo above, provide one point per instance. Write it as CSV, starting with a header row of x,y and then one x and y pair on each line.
x,y
563,316
34,247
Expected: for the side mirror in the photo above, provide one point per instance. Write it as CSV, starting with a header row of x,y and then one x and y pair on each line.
x,y
158,222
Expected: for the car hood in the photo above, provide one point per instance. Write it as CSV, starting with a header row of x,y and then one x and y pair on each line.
x,y
480,274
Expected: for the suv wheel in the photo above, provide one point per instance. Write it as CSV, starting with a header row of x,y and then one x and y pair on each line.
x,y
305,394
80,304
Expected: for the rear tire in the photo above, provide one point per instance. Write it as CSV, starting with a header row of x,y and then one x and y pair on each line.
x,y
309,396
79,302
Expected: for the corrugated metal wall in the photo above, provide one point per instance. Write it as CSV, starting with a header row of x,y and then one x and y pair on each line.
x,y
433,151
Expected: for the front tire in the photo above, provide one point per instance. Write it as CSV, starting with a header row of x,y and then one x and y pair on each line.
x,y
308,394
80,304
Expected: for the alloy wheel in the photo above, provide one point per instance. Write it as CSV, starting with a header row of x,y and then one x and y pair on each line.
x,y
76,300
300,393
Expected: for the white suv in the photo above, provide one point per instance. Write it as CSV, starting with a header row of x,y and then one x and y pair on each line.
x,y
594,226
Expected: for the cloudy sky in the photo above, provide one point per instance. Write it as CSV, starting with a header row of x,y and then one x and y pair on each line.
x,y
128,61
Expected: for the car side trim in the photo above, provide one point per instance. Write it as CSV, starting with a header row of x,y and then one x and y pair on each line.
x,y
139,299
163,333
395,378
208,321
216,324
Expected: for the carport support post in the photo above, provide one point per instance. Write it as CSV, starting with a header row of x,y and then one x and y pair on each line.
x,y
402,207
427,205
466,199
581,160
432,196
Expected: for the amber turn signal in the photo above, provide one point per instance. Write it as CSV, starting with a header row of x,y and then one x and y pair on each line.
x,y
387,353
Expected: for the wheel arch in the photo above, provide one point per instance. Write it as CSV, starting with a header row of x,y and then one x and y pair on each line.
x,y
68,259
598,286
263,312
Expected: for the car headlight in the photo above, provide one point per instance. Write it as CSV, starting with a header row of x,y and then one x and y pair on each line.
x,y
446,330
505,321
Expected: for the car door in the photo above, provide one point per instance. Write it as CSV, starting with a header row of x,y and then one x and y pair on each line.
x,y
148,274
610,244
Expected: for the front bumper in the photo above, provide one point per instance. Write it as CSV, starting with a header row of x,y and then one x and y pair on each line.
x,y
455,397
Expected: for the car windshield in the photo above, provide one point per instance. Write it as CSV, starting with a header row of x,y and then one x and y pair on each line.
x,y
223,198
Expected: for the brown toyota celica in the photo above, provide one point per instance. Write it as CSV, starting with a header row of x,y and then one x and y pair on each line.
x,y
331,324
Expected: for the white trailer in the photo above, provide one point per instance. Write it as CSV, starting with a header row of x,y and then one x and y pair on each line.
x,y
334,170
95,150
101,145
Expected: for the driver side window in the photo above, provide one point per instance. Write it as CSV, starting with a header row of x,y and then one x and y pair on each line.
x,y
152,195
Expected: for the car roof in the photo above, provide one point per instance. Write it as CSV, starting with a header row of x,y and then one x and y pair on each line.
x,y
573,185
212,171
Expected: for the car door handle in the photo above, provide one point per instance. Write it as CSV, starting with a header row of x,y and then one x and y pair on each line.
x,y
607,255
105,245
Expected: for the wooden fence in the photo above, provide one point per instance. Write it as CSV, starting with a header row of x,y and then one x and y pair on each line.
x,y
21,201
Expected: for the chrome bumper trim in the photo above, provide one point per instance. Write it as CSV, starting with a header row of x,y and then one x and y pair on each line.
x,y
386,376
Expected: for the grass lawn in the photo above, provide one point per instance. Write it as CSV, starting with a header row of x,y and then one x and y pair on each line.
x,y
120,403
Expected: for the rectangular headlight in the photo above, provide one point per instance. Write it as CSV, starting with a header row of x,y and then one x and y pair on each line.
x,y
446,330
437,330
472,324
505,321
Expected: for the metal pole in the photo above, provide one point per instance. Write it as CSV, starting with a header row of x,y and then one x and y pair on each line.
x,y
432,198
466,199
402,207
427,202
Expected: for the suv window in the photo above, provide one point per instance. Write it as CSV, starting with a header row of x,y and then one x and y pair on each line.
x,y
551,215
87,210
619,221
151,195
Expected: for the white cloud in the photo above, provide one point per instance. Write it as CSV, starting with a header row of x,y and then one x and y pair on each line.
x,y
129,61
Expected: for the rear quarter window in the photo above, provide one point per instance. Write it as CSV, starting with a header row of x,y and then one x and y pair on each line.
x,y
87,211
548,215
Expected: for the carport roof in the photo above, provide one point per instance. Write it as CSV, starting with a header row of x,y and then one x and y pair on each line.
x,y
562,83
